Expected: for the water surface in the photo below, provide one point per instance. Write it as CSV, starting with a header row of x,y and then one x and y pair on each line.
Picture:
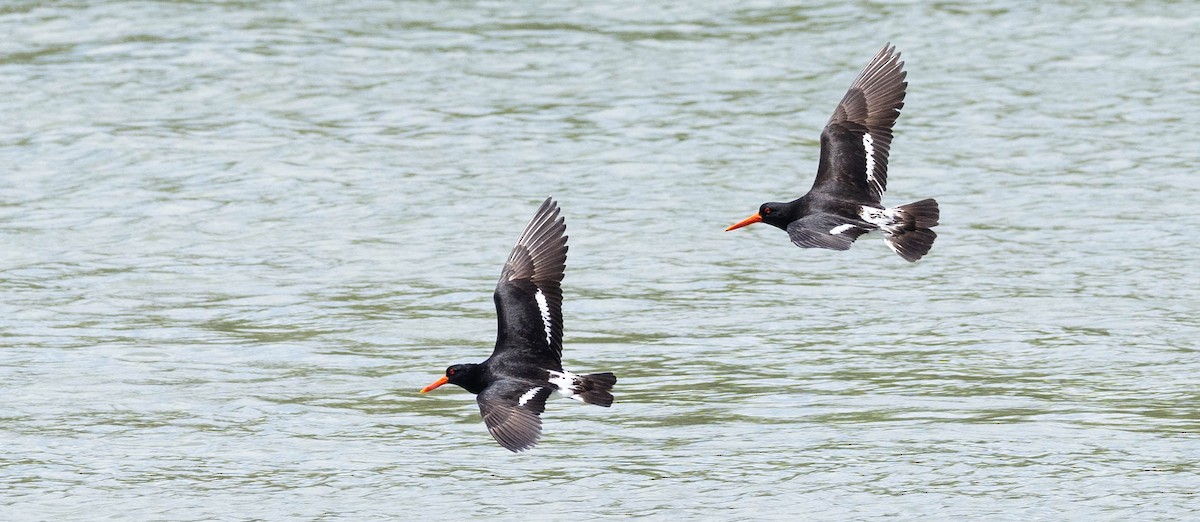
x,y
236,238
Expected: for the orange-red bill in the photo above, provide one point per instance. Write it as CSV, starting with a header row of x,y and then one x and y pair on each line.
x,y
442,380
748,221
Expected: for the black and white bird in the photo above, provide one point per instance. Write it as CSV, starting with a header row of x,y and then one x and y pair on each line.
x,y
525,368
844,202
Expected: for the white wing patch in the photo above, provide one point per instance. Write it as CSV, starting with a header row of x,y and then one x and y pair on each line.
x,y
884,218
544,307
564,383
840,228
880,217
869,148
528,396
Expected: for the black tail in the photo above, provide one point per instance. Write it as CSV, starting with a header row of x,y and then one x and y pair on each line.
x,y
922,214
910,235
594,388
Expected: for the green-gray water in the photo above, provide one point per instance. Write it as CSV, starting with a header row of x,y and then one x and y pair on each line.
x,y
237,237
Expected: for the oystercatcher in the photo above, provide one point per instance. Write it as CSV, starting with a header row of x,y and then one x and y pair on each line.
x,y
843,203
526,366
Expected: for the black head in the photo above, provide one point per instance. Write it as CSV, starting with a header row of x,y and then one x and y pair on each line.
x,y
468,376
775,214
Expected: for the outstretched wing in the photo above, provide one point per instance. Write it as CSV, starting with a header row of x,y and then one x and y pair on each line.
x,y
821,230
529,296
856,141
511,410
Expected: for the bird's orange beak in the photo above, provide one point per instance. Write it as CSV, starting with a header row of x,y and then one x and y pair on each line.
x,y
442,380
748,221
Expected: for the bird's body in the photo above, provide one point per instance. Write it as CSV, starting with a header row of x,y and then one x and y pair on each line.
x,y
844,202
525,367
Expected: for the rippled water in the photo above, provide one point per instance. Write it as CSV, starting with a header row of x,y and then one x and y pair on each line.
x,y
236,238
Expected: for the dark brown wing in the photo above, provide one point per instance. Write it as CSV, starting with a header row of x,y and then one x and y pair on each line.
x,y
856,141
821,230
511,410
529,296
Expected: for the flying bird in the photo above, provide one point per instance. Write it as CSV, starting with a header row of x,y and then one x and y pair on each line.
x,y
844,202
525,368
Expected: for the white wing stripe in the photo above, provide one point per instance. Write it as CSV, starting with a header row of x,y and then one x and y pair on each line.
x,y
544,307
840,228
869,149
529,395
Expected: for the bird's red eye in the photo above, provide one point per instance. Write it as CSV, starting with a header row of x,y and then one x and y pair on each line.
x,y
450,371
767,210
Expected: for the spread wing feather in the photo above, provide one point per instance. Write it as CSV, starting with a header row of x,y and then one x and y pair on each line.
x,y
856,141
821,230
529,294
511,410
